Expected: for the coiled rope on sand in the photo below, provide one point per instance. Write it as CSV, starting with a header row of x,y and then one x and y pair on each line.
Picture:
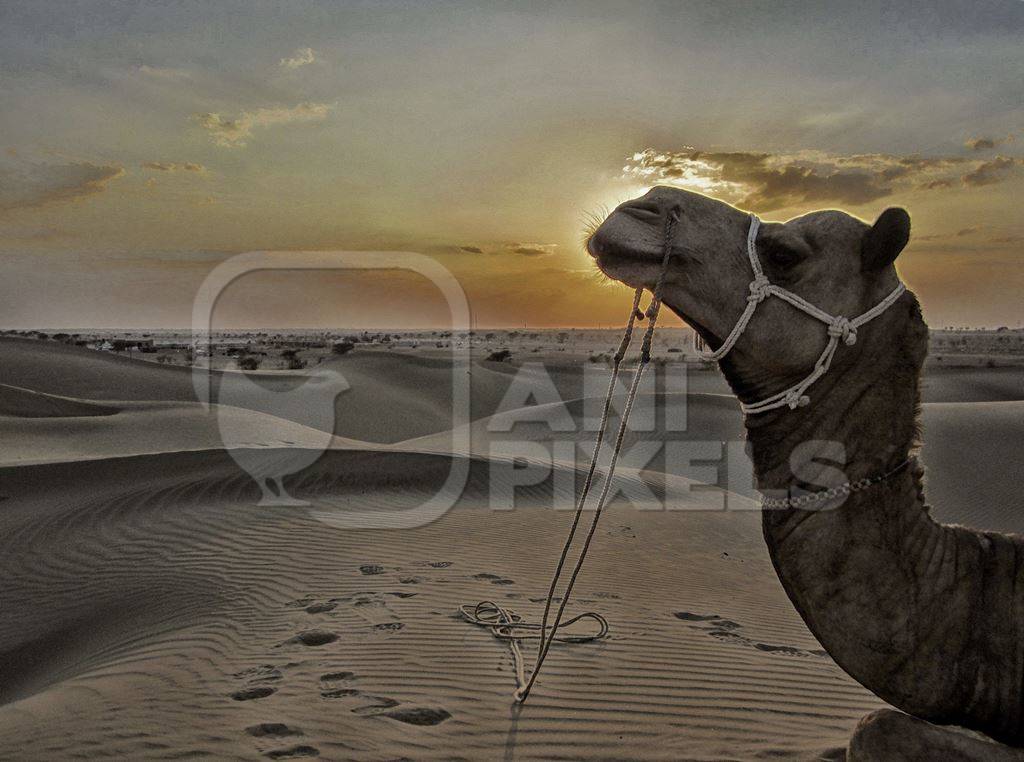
x,y
506,624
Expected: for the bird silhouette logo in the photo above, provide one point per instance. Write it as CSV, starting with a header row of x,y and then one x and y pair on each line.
x,y
307,401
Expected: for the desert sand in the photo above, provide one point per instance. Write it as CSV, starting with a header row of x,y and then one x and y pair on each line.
x,y
152,610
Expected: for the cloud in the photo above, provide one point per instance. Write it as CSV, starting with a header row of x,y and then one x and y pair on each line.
x,y
986,144
231,132
767,181
301,57
1007,239
532,249
173,166
980,144
471,249
990,172
963,232
28,185
936,184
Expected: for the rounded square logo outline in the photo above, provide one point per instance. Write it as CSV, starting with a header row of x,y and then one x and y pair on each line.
x,y
230,270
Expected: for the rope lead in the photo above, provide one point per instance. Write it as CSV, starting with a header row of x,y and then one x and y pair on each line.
x,y
505,624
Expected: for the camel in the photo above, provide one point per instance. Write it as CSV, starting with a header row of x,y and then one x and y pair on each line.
x,y
929,617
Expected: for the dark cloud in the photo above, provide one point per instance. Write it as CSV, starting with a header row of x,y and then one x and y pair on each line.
x,y
981,144
529,251
27,185
798,185
966,232
767,181
990,172
987,144
471,249
173,166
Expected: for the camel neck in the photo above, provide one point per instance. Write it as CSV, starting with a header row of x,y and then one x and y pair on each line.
x,y
845,567
863,412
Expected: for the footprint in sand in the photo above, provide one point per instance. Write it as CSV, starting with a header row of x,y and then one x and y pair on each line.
x,y
371,569
440,564
256,682
311,605
335,677
293,752
312,638
272,730
361,703
686,616
419,715
321,608
275,730
370,606
261,673
494,579
369,705
725,629
255,692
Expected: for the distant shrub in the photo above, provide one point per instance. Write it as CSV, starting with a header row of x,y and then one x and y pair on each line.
x,y
502,355
248,362
289,354
343,347
600,358
296,363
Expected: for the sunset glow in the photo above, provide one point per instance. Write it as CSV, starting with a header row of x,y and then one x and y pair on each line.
x,y
144,144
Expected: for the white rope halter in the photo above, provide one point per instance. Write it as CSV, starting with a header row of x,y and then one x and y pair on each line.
x,y
839,327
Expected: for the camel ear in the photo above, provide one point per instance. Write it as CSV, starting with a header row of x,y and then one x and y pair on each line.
x,y
886,239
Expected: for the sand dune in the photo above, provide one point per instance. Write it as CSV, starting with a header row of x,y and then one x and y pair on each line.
x,y
152,609
139,428
973,455
16,402
213,627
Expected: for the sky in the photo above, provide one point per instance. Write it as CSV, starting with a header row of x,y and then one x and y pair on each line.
x,y
144,143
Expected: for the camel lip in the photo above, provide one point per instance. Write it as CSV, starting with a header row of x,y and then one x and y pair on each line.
x,y
605,251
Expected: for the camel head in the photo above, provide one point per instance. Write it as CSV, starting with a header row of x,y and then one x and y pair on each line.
x,y
835,261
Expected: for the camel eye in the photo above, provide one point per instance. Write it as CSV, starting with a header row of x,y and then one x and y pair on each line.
x,y
782,256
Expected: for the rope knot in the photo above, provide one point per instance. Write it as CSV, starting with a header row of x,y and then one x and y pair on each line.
x,y
794,400
758,289
841,328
